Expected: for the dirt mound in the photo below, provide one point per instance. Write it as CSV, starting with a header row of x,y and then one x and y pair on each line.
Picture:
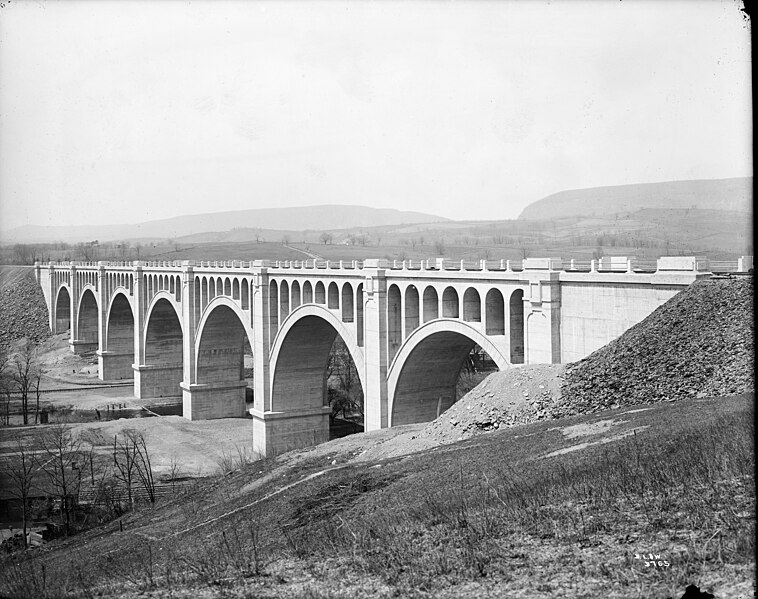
x,y
23,312
697,344
516,396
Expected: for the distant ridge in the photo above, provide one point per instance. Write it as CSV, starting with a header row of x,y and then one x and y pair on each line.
x,y
325,217
734,195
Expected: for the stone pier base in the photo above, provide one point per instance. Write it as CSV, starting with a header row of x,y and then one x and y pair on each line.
x,y
214,400
277,432
114,366
80,347
159,380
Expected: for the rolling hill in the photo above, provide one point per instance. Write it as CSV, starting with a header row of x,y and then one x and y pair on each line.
x,y
290,219
732,195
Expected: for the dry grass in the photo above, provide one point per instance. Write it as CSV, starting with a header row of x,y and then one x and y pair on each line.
x,y
485,517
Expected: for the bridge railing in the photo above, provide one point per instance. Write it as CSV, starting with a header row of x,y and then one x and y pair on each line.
x,y
606,264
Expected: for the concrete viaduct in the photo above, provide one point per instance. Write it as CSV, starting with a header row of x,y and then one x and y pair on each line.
x,y
183,328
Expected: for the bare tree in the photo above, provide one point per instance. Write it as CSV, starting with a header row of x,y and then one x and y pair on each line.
x,y
343,384
131,459
325,238
125,462
144,467
22,471
26,373
6,383
63,461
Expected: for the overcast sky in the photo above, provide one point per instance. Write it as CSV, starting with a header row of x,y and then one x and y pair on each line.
x,y
119,112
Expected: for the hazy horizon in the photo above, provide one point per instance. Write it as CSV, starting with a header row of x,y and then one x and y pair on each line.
x,y
469,111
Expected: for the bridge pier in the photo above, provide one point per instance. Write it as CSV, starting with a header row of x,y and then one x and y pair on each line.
x,y
113,365
156,380
82,347
277,432
213,400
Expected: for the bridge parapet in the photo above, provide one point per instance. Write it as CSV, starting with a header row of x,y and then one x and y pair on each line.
x,y
629,264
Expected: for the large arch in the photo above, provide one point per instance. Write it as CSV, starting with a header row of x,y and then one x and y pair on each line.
x,y
63,310
422,377
162,370
87,322
299,348
116,362
298,374
219,388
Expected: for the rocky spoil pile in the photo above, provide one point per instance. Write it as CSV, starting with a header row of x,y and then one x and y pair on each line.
x,y
698,344
23,312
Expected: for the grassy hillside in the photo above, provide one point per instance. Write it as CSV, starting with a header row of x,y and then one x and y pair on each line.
x,y
571,507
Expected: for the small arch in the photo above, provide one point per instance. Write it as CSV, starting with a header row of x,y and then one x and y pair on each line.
x,y
307,293
198,298
245,296
273,308
495,313
284,300
431,304
236,289
359,314
205,293
516,322
228,287
320,293
411,309
394,321
472,306
178,294
450,303
334,296
295,293
347,303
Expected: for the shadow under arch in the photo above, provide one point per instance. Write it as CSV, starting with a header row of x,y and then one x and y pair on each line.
x,y
116,361
87,321
163,355
422,377
299,357
205,319
62,309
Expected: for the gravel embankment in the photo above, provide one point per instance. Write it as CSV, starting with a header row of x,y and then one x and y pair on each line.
x,y
23,312
698,344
